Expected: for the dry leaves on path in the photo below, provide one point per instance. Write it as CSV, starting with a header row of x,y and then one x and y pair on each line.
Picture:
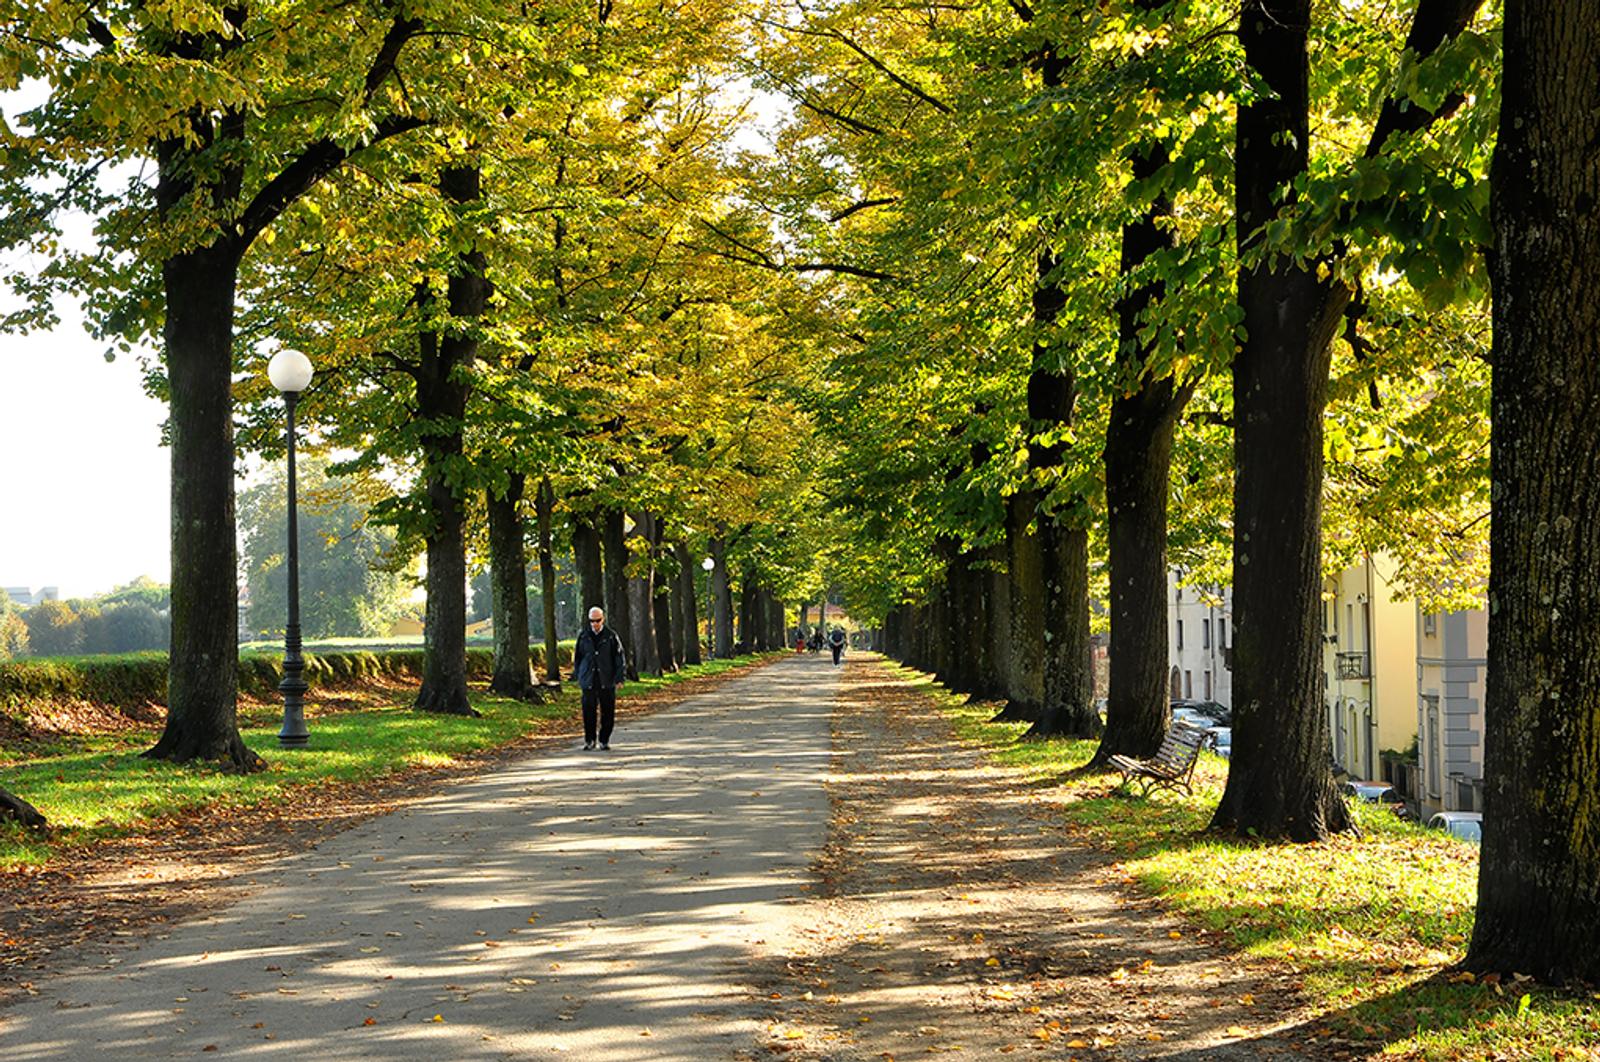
x,y
958,916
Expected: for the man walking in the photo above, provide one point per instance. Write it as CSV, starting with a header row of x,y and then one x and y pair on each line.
x,y
599,665
836,643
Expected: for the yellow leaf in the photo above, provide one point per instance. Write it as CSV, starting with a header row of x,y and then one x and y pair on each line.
x,y
1237,1030
1077,1043
1247,1000
991,962
1043,1034
437,1017
1174,935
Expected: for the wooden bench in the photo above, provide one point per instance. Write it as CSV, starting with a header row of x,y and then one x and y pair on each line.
x,y
1173,764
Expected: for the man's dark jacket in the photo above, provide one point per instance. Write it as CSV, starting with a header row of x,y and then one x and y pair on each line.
x,y
598,661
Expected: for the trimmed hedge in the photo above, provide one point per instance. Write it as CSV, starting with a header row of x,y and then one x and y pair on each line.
x,y
129,679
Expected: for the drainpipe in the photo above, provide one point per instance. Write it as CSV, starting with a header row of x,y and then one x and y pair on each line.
x,y
1372,658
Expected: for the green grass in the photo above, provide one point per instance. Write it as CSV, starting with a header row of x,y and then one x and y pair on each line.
x,y
1372,925
96,786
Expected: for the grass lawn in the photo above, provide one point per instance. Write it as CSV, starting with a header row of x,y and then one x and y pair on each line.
x,y
96,786
1371,925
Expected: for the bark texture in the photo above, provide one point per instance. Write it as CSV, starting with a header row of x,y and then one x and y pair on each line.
x,y
508,580
1539,878
14,809
1025,612
202,670
544,507
688,606
586,555
721,601
1138,462
618,606
1279,782
662,619
442,389
641,603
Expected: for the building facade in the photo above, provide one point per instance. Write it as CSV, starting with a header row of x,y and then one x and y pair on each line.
x,y
1369,667
1452,652
1199,642
27,597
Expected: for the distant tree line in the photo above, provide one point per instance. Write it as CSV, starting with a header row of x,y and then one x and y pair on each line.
x,y
128,619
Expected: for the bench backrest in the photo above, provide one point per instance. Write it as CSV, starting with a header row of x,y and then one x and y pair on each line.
x,y
1181,746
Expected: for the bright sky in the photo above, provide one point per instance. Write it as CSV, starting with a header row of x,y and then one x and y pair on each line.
x,y
82,469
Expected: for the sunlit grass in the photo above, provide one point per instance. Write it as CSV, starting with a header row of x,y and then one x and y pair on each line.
x,y
1372,924
97,785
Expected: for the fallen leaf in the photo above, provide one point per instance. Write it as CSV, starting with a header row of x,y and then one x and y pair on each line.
x,y
370,1021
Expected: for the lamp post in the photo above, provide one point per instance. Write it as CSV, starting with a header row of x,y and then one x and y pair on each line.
x,y
290,373
709,565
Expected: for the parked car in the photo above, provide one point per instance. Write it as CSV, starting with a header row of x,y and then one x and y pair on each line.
x,y
1467,825
1204,713
1221,740
1371,792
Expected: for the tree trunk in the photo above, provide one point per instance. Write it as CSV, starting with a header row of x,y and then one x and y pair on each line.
x,y
619,614
1062,546
442,403
1068,682
586,555
721,601
1539,876
202,669
660,598
805,614
1025,613
749,635
690,628
777,630
508,576
641,607
14,809
1279,781
544,505
1138,462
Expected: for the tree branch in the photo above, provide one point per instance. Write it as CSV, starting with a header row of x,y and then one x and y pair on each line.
x,y
865,204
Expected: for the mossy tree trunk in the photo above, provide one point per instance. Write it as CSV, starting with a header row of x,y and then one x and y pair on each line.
x,y
1539,876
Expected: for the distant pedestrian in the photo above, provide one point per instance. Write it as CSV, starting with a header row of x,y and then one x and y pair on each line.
x,y
600,665
836,643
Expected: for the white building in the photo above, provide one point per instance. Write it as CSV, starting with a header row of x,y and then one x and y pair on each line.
x,y
27,597
1452,656
1199,641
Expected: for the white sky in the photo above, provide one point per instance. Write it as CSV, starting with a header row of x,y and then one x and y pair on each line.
x,y
83,474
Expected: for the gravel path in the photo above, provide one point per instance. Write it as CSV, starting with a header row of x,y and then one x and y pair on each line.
x,y
801,863
595,906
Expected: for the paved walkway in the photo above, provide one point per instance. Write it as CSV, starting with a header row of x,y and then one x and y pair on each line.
x,y
594,906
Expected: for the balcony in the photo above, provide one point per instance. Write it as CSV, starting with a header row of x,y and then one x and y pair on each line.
x,y
1352,666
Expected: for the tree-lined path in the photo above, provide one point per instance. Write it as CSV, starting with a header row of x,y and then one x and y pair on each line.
x,y
802,860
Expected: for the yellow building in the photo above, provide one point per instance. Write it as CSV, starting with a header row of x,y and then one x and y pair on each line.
x,y
1369,666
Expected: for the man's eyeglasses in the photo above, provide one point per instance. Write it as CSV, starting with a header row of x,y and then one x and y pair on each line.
x,y
597,621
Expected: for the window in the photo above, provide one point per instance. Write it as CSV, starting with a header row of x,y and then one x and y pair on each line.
x,y
1180,634
1350,623
1205,635
1430,624
1222,634
1208,685
1188,684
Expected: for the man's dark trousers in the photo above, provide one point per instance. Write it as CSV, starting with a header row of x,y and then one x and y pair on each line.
x,y
600,701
